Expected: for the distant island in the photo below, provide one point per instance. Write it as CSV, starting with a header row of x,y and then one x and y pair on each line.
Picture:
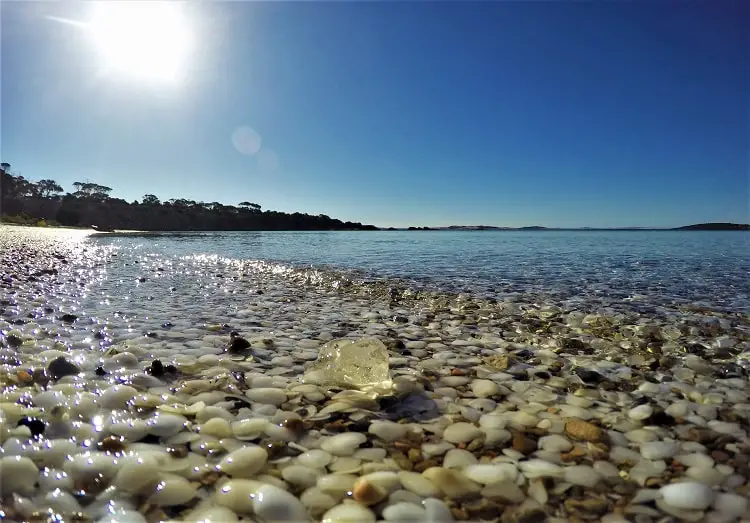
x,y
715,227
24,202
697,227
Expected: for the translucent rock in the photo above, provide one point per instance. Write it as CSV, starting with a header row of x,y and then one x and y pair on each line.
x,y
361,364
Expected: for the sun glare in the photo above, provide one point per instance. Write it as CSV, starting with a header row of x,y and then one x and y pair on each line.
x,y
149,40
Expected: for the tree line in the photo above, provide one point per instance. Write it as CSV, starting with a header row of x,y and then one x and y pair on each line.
x,y
25,201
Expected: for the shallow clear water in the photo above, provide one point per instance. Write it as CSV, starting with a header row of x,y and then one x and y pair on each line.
x,y
650,268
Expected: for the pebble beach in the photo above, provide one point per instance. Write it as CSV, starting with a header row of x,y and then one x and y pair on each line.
x,y
140,387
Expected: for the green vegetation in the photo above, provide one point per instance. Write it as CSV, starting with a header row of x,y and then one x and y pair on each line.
x,y
43,203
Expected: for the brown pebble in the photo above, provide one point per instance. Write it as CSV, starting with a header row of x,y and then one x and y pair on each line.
x,y
460,513
403,446
700,435
720,456
654,482
598,451
587,507
366,493
458,372
522,443
574,453
402,460
178,451
336,426
294,424
580,429
209,478
424,465
112,444
24,377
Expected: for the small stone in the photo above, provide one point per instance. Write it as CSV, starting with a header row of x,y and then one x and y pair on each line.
x,y
404,512
436,511
458,459
461,432
484,388
17,475
587,507
388,430
270,503
687,495
583,430
451,483
656,450
641,412
368,493
343,444
731,505
490,473
266,395
582,475
348,513
555,443
418,484
538,468
523,443
244,462
237,345
505,492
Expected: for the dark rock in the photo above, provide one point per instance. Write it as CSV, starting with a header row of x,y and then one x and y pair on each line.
x,y
36,426
237,344
589,377
401,319
697,349
156,369
661,418
150,439
40,377
13,340
112,444
524,354
69,318
150,334
141,279
573,343
170,369
100,335
730,370
395,345
167,325
60,367
100,371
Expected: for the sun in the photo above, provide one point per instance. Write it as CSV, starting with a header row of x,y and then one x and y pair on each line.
x,y
143,39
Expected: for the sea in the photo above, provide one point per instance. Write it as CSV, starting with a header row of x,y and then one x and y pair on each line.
x,y
646,271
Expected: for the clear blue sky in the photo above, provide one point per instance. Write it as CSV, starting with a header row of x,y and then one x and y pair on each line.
x,y
394,113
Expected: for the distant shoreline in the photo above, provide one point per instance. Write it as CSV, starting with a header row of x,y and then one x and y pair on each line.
x,y
696,227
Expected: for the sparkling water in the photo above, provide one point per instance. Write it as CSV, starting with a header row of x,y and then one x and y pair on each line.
x,y
647,269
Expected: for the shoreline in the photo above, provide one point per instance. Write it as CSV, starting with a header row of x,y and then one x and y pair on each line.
x,y
510,411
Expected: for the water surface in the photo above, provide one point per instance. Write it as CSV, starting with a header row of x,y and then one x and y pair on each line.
x,y
654,268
